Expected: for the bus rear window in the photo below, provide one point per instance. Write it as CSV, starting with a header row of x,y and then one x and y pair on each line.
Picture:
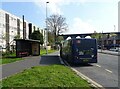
x,y
78,41
85,43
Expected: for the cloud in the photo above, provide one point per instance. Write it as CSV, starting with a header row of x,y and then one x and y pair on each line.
x,y
71,1
55,9
53,6
81,26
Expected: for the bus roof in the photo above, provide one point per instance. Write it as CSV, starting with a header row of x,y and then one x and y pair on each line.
x,y
82,38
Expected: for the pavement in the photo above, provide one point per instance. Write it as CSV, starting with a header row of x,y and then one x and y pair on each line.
x,y
50,59
28,62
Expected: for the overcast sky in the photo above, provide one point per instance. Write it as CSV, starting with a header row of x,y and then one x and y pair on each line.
x,y
82,16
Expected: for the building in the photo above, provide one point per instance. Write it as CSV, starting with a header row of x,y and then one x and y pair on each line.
x,y
11,27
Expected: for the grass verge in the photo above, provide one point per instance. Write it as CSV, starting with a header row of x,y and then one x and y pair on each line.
x,y
6,60
46,76
43,51
9,60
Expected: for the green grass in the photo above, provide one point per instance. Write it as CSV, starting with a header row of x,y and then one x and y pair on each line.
x,y
9,60
46,76
5,60
43,51
8,54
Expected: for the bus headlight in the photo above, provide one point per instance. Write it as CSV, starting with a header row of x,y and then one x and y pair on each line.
x,y
81,53
92,55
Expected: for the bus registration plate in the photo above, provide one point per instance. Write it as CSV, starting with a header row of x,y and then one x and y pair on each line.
x,y
85,60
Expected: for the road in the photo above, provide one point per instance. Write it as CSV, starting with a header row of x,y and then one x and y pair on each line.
x,y
105,72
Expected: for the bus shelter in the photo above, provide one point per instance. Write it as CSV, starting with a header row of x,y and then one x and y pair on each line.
x,y
27,47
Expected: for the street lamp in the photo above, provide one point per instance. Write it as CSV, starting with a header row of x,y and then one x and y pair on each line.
x,y
114,38
46,30
102,42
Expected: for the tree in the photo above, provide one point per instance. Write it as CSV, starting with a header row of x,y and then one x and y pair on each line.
x,y
3,37
50,38
17,36
56,24
113,35
96,35
60,38
36,35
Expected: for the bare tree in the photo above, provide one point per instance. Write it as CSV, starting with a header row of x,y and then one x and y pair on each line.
x,y
57,24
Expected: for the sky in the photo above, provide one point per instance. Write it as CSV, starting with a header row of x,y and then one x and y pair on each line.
x,y
82,16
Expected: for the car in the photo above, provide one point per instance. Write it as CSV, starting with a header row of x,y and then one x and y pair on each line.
x,y
116,49
112,49
99,47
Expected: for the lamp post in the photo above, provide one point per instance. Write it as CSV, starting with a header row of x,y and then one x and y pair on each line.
x,y
46,30
102,42
114,38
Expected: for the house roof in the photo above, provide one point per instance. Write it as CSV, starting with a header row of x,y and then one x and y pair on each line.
x,y
31,40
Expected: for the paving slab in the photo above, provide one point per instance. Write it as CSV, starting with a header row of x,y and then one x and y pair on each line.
x,y
28,62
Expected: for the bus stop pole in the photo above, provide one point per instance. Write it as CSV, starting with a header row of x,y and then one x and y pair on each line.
x,y
46,30
102,42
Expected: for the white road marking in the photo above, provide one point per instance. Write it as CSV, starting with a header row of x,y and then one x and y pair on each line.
x,y
109,71
105,69
93,83
97,65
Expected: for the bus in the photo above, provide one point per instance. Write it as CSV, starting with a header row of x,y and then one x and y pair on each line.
x,y
79,50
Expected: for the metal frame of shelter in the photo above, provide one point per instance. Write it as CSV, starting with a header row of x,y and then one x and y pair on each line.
x,y
26,47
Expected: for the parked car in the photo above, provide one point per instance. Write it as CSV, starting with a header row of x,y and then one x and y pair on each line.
x,y
99,47
116,49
